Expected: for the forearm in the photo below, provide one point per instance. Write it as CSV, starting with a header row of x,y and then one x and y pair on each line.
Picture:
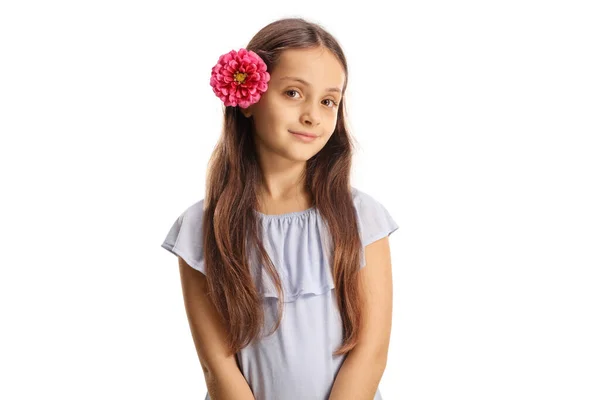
x,y
358,377
228,386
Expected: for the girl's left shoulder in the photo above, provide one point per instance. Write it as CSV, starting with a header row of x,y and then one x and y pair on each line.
x,y
365,202
374,220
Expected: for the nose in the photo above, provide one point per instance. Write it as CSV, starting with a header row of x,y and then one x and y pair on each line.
x,y
310,115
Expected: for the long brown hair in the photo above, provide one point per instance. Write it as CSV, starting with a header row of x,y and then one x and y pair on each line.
x,y
230,223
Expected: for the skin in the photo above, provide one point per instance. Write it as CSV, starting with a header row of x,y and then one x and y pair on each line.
x,y
291,105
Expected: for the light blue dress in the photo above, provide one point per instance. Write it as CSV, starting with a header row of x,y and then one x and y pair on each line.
x,y
295,362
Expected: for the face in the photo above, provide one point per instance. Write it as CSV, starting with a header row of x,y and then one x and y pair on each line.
x,y
289,105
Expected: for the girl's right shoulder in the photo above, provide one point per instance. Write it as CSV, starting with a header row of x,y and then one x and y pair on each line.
x,y
184,238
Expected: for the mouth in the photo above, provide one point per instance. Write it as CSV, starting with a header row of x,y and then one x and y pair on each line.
x,y
304,135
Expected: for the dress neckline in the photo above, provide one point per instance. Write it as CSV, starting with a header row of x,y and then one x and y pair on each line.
x,y
286,215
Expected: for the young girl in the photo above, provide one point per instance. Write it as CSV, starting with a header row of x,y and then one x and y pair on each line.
x,y
272,259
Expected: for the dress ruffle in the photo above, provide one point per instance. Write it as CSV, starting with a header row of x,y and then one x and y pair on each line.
x,y
298,243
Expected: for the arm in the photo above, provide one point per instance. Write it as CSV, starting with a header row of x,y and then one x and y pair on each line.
x,y
361,372
223,377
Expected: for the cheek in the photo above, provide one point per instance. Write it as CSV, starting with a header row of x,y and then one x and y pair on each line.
x,y
332,121
273,121
282,118
273,111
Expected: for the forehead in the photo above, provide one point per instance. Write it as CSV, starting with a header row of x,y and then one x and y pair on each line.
x,y
318,66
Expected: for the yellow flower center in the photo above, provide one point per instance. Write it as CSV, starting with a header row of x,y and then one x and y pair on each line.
x,y
240,77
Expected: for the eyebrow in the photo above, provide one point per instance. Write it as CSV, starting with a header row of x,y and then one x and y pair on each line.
x,y
293,78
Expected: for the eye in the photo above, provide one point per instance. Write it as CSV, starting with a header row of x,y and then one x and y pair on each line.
x,y
291,90
335,104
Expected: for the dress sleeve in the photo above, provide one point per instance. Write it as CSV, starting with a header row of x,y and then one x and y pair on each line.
x,y
374,221
185,237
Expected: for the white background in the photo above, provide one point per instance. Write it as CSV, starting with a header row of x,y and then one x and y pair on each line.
x,y
478,124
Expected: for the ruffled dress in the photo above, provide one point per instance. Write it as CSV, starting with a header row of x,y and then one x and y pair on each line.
x,y
295,362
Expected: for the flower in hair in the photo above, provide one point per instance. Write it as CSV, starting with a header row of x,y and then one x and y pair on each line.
x,y
239,78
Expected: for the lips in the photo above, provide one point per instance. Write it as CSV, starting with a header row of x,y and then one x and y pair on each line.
x,y
312,135
304,136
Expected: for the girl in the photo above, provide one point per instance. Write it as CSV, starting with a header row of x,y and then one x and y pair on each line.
x,y
281,238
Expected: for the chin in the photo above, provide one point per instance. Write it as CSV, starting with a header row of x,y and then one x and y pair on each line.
x,y
299,156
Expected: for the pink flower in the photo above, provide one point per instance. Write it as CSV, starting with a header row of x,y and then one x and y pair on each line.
x,y
239,78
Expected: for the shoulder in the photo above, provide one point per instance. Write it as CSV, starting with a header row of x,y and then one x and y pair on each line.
x,y
361,197
366,204
184,238
191,216
194,212
190,222
374,219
